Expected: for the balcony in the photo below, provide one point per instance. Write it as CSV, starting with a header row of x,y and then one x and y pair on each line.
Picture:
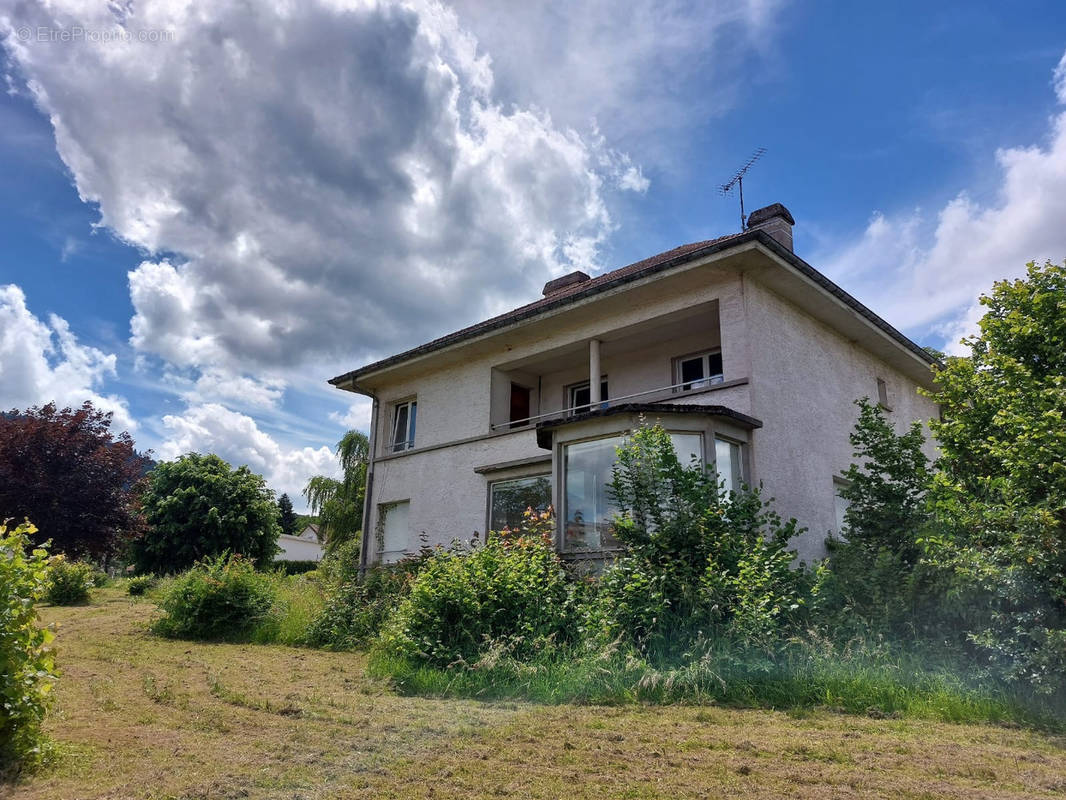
x,y
658,360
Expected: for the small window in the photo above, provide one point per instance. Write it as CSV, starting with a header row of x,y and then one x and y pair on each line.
x,y
404,416
580,397
520,405
698,371
841,505
395,531
508,500
729,464
882,394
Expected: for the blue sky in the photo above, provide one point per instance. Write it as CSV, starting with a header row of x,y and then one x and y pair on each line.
x,y
206,217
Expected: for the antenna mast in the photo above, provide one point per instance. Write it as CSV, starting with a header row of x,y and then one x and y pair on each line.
x,y
738,181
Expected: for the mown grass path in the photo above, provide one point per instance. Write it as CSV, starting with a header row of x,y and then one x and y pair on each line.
x,y
140,717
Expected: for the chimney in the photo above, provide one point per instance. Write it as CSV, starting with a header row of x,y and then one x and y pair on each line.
x,y
776,221
560,284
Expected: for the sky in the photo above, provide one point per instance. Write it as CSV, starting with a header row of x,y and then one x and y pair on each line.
x,y
208,210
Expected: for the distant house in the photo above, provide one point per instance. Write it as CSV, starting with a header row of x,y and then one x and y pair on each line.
x,y
744,352
304,547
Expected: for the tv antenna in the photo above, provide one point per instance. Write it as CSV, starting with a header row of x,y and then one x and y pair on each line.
x,y
737,181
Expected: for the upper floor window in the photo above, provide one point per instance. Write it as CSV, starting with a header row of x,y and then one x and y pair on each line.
x,y
882,394
580,397
404,416
698,371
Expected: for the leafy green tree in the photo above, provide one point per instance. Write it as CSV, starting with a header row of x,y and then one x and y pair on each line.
x,y
338,504
697,561
1000,490
198,506
874,579
287,517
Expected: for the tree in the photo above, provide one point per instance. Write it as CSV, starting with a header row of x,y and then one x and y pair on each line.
x,y
72,477
339,504
286,516
1000,490
198,506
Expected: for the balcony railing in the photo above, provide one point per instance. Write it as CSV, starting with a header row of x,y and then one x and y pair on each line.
x,y
700,383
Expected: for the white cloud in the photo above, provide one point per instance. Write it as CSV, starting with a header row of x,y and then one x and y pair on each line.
x,y
334,179
235,437
42,363
922,272
643,69
357,416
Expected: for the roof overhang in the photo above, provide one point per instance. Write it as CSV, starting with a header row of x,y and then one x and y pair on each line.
x,y
757,254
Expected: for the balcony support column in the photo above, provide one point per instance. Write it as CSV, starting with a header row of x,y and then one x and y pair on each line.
x,y
594,372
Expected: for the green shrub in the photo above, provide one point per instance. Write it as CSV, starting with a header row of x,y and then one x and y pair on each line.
x,y
697,562
219,598
511,590
69,582
295,567
140,584
26,663
355,609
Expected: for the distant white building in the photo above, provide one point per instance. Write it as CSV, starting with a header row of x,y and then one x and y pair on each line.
x,y
304,547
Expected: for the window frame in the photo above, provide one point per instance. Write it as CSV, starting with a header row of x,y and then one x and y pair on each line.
x,y
562,506
882,394
391,445
705,382
569,390
742,459
492,484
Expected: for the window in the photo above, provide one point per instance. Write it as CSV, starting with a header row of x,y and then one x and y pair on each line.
x,y
394,531
729,464
589,508
840,504
698,371
403,426
580,397
882,394
519,405
508,500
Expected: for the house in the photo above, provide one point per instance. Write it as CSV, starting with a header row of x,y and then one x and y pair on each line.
x,y
749,356
302,547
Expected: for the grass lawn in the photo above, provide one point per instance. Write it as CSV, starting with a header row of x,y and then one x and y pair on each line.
x,y
141,717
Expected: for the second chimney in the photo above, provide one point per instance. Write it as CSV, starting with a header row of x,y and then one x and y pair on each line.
x,y
776,221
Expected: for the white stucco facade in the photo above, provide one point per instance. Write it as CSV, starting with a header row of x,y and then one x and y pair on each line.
x,y
795,354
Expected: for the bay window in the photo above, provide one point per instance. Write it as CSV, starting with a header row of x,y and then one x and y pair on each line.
x,y
587,470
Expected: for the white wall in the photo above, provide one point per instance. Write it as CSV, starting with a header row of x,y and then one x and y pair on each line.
x,y
805,379
293,548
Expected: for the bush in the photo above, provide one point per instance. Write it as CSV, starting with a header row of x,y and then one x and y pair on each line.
x,y
355,609
69,582
140,584
295,567
198,507
513,590
219,598
27,664
697,562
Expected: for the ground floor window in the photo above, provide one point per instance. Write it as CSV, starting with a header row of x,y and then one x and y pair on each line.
x,y
729,464
394,531
508,500
588,507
